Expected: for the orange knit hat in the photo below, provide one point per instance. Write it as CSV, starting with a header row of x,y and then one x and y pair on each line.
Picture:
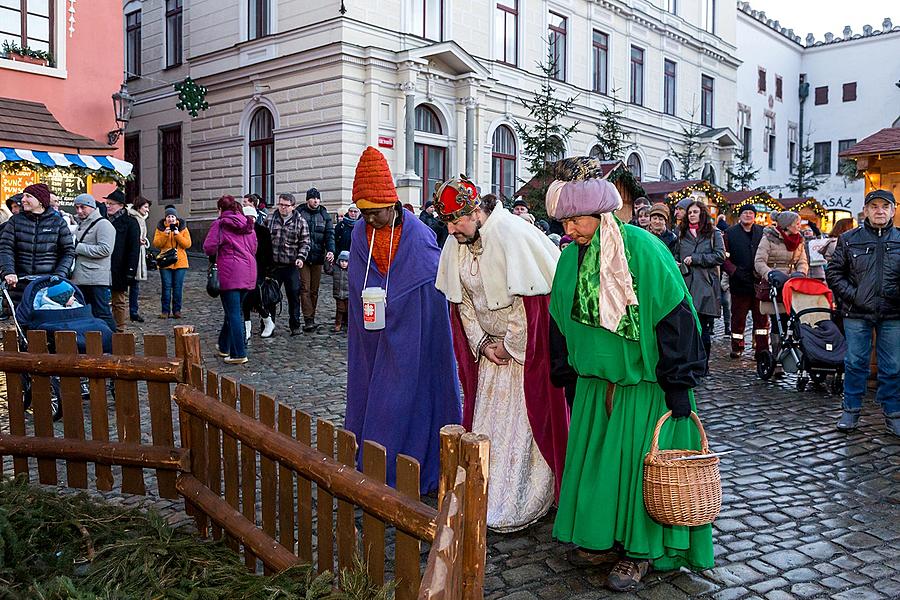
x,y
373,185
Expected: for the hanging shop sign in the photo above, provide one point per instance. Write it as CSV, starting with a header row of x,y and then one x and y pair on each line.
x,y
67,185
13,182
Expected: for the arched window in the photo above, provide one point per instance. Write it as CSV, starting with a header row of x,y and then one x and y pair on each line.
x,y
666,171
503,163
431,160
709,174
262,155
596,152
634,165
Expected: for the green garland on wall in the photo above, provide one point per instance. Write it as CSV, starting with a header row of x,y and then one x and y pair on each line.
x,y
98,176
191,96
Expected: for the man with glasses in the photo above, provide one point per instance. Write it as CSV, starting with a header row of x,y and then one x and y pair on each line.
x,y
290,246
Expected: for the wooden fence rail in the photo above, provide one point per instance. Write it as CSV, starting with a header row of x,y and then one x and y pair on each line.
x,y
245,463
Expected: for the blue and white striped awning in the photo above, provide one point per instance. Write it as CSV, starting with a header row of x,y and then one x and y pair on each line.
x,y
56,159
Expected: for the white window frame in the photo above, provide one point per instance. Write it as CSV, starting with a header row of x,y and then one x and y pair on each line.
x,y
59,48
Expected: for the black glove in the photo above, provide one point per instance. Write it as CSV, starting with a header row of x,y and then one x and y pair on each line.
x,y
679,403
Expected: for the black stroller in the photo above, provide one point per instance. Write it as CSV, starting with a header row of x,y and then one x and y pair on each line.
x,y
810,345
34,311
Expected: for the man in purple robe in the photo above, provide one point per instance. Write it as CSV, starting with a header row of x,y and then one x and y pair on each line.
x,y
401,379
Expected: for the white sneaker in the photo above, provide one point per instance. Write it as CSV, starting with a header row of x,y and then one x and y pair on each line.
x,y
236,361
247,327
268,327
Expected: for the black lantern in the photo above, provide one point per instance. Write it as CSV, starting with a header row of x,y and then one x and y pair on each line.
x,y
123,104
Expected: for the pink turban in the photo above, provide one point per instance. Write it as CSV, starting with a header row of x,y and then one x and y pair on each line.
x,y
566,199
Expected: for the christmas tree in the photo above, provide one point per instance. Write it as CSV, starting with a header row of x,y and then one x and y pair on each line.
x,y
612,137
742,174
692,151
804,179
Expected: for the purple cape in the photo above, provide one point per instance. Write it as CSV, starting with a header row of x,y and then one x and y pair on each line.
x,y
401,381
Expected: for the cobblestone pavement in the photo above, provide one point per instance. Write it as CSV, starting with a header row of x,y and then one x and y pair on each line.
x,y
807,512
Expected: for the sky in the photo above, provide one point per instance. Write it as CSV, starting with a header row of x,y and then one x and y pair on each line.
x,y
820,16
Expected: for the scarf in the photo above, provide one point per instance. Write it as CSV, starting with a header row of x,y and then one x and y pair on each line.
x,y
791,240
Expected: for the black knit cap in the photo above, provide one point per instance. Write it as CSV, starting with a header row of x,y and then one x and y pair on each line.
x,y
313,193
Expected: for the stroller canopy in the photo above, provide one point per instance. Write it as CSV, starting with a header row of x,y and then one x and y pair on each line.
x,y
806,286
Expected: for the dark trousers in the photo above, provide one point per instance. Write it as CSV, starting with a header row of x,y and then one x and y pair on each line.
x,y
707,322
725,297
310,278
231,336
741,304
289,276
252,302
99,298
133,295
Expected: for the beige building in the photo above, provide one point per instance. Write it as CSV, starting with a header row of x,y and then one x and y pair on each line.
x,y
297,89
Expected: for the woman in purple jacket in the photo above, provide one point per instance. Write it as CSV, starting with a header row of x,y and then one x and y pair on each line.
x,y
231,241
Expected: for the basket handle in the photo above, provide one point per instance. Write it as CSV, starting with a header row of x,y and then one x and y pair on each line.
x,y
654,445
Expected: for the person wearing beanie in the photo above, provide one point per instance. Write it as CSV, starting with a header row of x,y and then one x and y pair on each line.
x,y
321,252
37,240
343,232
780,250
125,256
630,353
497,272
61,293
264,263
341,291
402,384
867,284
741,242
520,207
659,226
95,240
680,209
437,226
172,238
139,210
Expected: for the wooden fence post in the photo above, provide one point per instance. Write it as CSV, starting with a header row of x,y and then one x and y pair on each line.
x,y
15,401
475,457
450,458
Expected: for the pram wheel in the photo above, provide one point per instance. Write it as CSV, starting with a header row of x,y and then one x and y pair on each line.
x,y
765,365
818,378
801,383
55,396
837,384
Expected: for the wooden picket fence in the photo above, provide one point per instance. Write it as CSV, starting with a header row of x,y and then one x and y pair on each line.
x,y
245,464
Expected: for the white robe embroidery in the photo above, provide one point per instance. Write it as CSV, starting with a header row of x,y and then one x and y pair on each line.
x,y
521,483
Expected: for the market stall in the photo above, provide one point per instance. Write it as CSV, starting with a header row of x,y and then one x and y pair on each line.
x,y
810,211
672,192
878,161
764,203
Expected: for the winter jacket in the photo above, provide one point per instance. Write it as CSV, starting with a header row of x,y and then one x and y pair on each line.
x,y
864,273
263,251
341,284
164,239
742,246
669,238
342,234
773,254
36,245
232,241
142,254
127,250
707,254
437,226
290,238
321,233
95,239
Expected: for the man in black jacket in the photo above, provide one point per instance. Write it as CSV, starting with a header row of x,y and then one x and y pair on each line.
x,y
864,272
125,256
321,250
437,226
37,240
741,243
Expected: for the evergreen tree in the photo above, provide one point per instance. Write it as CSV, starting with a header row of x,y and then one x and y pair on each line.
x,y
612,137
545,139
804,180
692,151
742,175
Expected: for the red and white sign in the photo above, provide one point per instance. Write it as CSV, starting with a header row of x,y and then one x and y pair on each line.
x,y
368,312
385,141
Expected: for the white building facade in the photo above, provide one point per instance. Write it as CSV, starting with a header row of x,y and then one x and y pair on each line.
x,y
297,90
851,92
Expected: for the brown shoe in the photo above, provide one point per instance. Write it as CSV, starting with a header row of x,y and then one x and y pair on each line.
x,y
627,573
176,315
163,315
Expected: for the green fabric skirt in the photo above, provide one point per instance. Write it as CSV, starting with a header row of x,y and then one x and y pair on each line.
x,y
602,500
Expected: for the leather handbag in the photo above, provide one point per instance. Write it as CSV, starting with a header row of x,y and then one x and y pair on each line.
x,y
167,258
212,280
762,288
270,295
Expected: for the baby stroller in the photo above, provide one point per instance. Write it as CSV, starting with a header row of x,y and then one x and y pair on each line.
x,y
36,310
811,344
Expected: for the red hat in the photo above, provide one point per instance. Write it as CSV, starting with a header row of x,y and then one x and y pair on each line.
x,y
39,191
373,184
455,198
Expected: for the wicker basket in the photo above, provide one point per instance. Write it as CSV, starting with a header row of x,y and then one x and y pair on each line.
x,y
681,492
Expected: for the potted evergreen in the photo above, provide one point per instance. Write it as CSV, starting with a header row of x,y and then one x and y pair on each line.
x,y
13,51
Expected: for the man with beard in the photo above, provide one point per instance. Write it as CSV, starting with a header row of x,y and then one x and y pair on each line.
x,y
497,272
401,384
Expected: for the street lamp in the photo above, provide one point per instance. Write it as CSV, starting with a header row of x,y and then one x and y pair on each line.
x,y
123,104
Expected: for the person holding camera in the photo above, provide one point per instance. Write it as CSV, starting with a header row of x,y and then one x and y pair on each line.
x,y
173,239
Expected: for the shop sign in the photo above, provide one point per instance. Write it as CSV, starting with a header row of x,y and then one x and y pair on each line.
x,y
66,185
838,203
12,183
385,141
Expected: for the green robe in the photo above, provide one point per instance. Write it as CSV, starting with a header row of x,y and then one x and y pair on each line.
x,y
601,501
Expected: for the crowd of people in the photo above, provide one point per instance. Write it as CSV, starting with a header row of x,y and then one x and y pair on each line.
x,y
566,350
